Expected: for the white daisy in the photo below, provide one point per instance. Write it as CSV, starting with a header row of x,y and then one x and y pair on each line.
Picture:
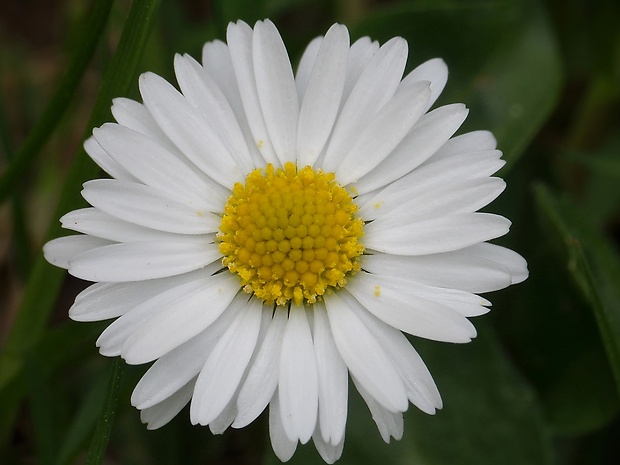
x,y
264,235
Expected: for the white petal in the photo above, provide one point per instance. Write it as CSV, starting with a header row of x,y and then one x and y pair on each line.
x,y
99,224
61,250
158,415
155,166
298,383
275,85
169,374
222,372
514,262
262,379
456,270
136,261
333,380
389,424
434,71
283,447
181,321
189,131
222,422
110,300
135,116
466,197
322,98
462,302
217,62
100,302
306,65
216,59
149,207
431,176
373,89
239,38
389,301
475,141
463,197
105,162
364,357
421,389
443,234
204,94
329,452
426,137
385,132
172,290
360,54
177,367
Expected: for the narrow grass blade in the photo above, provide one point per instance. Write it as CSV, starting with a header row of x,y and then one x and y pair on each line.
x,y
83,423
101,438
594,265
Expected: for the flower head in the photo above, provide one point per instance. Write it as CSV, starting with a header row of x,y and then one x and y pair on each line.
x,y
266,234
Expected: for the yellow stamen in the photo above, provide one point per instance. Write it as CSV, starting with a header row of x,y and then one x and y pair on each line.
x,y
290,235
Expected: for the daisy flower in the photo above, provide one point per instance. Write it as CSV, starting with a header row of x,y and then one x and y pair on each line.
x,y
265,235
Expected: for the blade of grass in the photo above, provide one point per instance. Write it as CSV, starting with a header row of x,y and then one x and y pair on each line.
x,y
45,280
84,422
594,265
59,101
103,430
606,315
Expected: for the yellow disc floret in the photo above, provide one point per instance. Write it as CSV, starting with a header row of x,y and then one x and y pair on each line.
x,y
290,235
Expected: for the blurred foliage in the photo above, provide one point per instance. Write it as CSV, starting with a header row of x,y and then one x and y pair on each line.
x,y
540,385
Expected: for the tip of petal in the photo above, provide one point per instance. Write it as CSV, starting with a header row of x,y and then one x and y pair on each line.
x,y
520,275
400,44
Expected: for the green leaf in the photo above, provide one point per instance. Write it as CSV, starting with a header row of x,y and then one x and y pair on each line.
x,y
45,280
553,336
568,410
502,56
594,265
101,437
600,195
490,414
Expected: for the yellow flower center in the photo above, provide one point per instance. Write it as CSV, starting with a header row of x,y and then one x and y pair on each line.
x,y
290,235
